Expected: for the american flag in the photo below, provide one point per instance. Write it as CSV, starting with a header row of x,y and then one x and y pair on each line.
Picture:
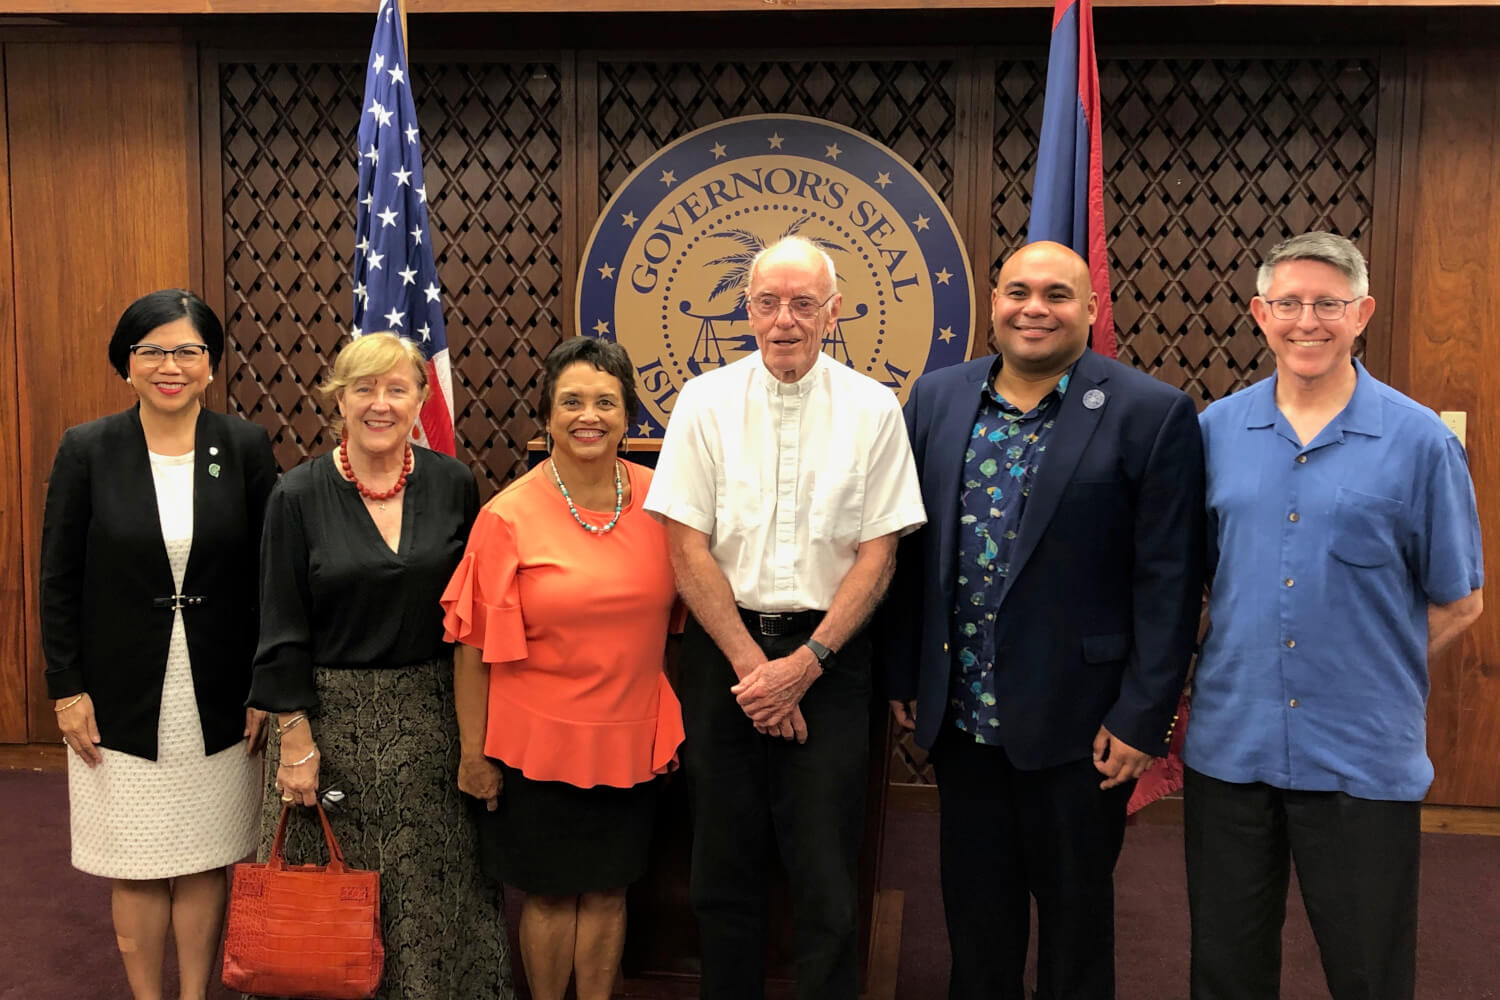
x,y
395,277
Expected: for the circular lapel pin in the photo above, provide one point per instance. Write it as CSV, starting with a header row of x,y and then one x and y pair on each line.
x,y
1093,399
213,470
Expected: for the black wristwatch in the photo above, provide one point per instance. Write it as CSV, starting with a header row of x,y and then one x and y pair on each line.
x,y
822,652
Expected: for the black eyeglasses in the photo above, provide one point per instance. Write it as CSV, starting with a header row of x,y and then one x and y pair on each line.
x,y
186,356
802,307
1328,309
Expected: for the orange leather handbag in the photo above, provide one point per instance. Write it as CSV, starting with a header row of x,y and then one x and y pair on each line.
x,y
304,930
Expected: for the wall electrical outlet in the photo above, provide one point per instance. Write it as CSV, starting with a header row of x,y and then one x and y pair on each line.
x,y
1458,423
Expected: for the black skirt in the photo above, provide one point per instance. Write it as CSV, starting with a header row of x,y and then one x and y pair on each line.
x,y
556,839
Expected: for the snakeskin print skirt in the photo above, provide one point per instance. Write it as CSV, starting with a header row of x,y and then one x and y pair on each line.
x,y
389,742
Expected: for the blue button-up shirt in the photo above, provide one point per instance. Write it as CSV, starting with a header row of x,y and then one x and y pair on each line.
x,y
1325,557
1005,451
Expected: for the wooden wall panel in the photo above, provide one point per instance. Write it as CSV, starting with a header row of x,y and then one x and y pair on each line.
x,y
1448,329
102,180
12,591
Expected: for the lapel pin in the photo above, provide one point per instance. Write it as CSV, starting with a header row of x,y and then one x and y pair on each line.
x,y
213,470
1093,399
213,449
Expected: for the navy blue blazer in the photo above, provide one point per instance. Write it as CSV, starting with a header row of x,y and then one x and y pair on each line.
x,y
105,576
1100,610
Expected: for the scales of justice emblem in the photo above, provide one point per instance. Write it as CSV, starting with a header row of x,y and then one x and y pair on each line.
x,y
666,267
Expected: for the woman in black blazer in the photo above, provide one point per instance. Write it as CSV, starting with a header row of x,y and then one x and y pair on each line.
x,y
149,577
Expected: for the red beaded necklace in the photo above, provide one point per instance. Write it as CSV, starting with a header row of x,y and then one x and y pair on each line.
x,y
364,490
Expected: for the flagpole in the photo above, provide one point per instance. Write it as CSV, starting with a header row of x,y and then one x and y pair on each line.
x,y
405,39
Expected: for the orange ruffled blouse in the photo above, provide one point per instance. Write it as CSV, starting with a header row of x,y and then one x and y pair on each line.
x,y
573,626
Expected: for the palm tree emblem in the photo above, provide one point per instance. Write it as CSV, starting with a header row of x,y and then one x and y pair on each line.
x,y
708,349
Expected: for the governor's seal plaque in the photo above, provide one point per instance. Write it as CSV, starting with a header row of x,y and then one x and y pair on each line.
x,y
664,271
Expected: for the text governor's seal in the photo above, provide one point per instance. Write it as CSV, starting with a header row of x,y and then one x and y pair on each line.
x,y
665,269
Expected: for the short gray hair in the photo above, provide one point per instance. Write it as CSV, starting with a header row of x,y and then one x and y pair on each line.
x,y
780,246
1333,250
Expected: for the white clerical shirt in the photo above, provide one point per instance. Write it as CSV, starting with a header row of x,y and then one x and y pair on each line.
x,y
787,479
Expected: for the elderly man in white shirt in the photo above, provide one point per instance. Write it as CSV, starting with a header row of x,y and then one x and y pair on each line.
x,y
784,480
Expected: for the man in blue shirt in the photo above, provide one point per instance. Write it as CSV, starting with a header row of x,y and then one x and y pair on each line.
x,y
1344,551
1039,626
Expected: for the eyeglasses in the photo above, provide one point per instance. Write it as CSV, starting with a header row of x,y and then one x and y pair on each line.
x,y
1328,309
186,356
800,306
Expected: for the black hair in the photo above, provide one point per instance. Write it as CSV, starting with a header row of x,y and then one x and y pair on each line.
x,y
157,309
606,356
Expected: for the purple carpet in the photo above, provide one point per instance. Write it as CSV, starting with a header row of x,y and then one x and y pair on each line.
x,y
56,942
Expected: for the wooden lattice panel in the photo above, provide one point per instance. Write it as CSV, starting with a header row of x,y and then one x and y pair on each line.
x,y
909,106
1207,164
491,151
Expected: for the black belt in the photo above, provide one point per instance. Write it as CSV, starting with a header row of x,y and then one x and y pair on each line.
x,y
177,602
774,623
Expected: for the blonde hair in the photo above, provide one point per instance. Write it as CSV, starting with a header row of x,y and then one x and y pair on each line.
x,y
368,356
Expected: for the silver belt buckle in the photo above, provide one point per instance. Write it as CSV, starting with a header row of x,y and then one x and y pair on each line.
x,y
770,625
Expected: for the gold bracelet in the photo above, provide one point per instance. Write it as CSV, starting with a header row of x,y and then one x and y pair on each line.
x,y
304,760
69,705
293,723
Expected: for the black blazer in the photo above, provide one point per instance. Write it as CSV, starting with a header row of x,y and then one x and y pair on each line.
x,y
106,584
1098,617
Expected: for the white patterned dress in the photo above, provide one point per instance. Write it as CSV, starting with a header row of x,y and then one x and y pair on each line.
x,y
184,812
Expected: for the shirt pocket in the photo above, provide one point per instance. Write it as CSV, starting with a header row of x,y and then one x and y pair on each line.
x,y
1364,528
741,502
838,508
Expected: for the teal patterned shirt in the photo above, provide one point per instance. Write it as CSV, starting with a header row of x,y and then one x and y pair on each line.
x,y
1005,451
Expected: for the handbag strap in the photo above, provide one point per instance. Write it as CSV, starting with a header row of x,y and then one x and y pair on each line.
x,y
277,860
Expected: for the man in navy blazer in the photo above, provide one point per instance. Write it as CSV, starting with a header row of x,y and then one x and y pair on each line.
x,y
1040,625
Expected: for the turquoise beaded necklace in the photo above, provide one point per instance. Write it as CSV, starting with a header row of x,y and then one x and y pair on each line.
x,y
591,528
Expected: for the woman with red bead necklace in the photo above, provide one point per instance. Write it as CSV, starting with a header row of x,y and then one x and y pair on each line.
x,y
358,545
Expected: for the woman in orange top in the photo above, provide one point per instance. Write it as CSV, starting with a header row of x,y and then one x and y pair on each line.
x,y
561,607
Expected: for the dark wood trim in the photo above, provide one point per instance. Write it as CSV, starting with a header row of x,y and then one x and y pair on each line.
x,y
1398,372
222,7
570,178
61,34
1385,212
1484,822
832,53
585,179
975,134
885,945
198,208
1476,820
906,797
210,277
48,757
14,621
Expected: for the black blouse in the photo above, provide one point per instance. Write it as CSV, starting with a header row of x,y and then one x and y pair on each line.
x,y
334,595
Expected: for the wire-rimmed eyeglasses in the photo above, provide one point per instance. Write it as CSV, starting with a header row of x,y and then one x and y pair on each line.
x,y
1325,309
802,307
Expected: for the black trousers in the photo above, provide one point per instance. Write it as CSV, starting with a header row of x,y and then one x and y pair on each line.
x,y
1009,835
1357,862
748,789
